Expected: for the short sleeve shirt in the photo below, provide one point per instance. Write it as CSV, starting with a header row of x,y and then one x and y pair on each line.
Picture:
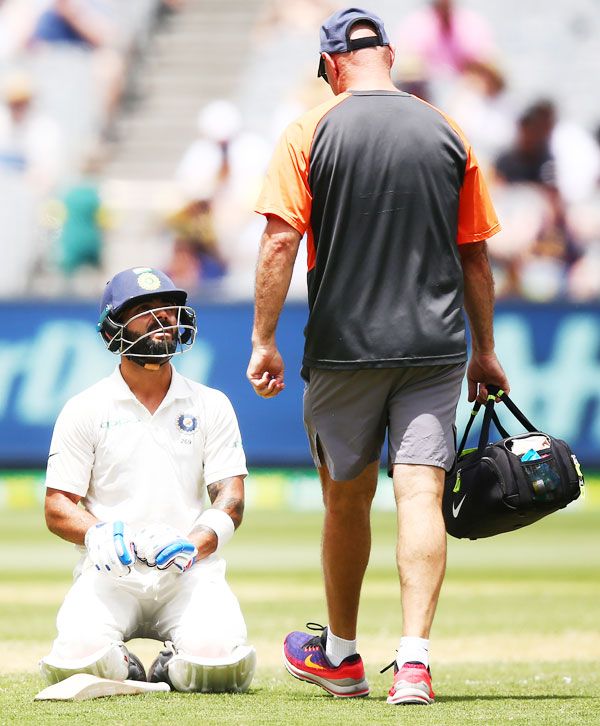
x,y
385,187
145,468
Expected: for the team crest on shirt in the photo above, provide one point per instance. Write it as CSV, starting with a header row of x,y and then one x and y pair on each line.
x,y
187,423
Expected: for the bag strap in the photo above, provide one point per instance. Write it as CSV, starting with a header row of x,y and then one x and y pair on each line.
x,y
501,430
512,407
490,416
463,441
484,436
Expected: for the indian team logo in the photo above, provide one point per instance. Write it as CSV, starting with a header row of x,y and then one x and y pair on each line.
x,y
148,281
187,423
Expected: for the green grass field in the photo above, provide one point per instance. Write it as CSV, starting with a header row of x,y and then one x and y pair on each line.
x,y
516,638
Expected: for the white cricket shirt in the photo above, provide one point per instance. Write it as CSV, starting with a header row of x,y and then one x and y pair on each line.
x,y
140,467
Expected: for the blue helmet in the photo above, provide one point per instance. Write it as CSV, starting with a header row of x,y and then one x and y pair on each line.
x,y
130,287
138,283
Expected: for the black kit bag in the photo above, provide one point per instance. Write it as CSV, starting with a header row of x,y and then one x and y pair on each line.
x,y
503,486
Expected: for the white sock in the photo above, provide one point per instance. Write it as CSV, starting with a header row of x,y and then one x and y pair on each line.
x,y
413,649
337,648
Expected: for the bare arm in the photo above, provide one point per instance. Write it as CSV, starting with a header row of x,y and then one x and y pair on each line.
x,y
484,366
64,518
479,295
228,496
278,250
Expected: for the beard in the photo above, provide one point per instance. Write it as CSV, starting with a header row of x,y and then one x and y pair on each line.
x,y
149,351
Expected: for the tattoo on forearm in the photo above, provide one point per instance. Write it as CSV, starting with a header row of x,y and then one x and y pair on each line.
x,y
234,508
228,495
215,489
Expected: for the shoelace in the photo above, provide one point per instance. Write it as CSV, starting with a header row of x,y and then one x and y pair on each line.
x,y
318,639
393,663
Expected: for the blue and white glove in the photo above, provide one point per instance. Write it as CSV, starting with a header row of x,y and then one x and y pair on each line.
x,y
110,548
160,546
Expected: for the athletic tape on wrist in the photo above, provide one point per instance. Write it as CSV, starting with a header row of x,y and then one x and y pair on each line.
x,y
220,522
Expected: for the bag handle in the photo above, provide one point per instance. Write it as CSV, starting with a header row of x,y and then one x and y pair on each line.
x,y
512,407
487,419
491,415
496,421
463,441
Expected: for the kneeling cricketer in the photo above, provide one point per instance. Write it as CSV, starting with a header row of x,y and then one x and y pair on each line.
x,y
146,476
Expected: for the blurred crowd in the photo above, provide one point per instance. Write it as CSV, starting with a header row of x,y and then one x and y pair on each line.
x,y
544,170
68,68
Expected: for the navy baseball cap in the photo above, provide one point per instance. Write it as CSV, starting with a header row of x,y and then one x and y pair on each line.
x,y
137,284
335,33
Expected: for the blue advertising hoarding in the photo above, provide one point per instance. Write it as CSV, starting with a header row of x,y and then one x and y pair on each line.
x,y
50,351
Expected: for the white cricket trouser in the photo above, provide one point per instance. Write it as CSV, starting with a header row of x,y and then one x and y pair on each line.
x,y
196,610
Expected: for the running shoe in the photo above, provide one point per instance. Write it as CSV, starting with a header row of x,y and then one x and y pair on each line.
x,y
412,685
304,657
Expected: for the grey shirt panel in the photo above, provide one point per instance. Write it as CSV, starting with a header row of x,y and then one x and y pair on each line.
x,y
387,288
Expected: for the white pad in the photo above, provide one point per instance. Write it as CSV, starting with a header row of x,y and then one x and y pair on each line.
x,y
109,662
83,686
233,673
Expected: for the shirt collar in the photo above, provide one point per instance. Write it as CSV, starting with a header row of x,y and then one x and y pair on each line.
x,y
121,390
179,387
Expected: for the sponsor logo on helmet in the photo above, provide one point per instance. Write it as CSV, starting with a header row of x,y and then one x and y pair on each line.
x,y
148,281
188,423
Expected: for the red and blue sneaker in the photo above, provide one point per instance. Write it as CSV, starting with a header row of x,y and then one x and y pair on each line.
x,y
412,685
304,657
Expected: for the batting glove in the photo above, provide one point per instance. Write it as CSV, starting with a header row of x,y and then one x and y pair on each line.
x,y
110,548
160,546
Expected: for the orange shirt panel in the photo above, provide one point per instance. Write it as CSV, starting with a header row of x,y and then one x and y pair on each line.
x,y
477,219
286,192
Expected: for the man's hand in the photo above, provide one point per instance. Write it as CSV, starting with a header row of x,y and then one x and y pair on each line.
x,y
485,368
160,546
265,371
110,548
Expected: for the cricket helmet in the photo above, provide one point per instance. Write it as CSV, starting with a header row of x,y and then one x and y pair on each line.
x,y
131,287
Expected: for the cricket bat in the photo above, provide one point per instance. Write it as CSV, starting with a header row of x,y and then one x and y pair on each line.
x,y
83,686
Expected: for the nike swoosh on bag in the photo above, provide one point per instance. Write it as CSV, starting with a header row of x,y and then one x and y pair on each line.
x,y
456,510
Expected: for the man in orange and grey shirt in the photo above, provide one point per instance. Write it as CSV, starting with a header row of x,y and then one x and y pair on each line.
x,y
396,213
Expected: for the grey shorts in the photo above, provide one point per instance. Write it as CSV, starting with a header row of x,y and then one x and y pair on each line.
x,y
349,412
